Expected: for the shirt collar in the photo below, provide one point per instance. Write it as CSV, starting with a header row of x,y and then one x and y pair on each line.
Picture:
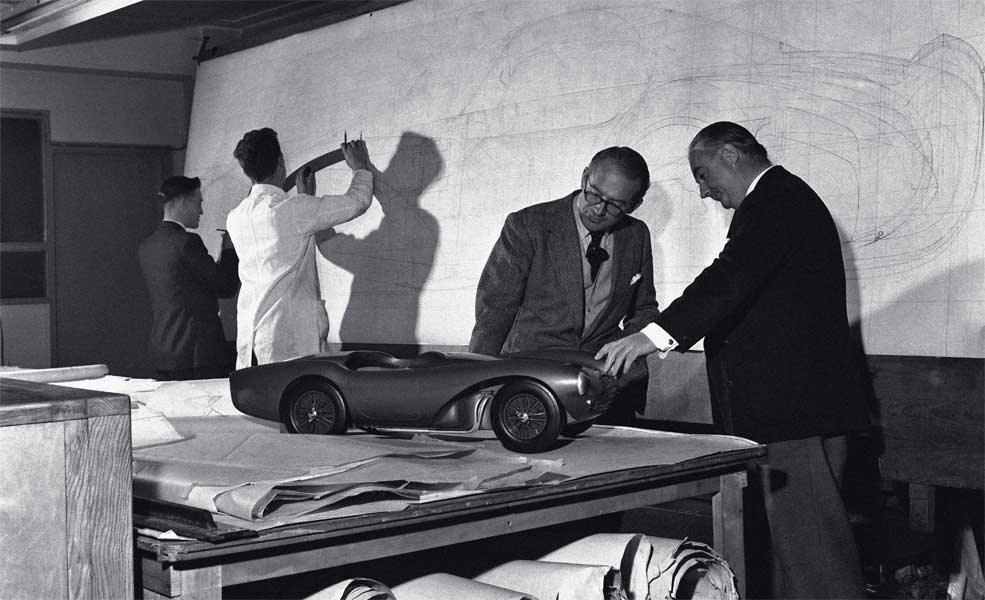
x,y
260,189
752,185
183,228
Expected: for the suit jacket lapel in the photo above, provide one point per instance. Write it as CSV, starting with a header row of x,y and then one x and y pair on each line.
x,y
567,253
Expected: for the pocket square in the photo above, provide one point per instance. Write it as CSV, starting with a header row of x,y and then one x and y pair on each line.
x,y
635,278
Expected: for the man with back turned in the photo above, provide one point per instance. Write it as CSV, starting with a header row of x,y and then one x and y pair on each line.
x,y
187,341
280,311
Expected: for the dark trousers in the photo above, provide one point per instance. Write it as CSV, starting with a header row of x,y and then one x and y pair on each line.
x,y
193,373
799,543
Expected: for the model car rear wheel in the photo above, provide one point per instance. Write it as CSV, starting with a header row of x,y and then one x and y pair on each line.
x,y
526,417
314,406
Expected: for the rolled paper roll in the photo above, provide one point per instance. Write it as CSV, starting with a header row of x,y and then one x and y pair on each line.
x,y
554,580
694,570
443,585
354,589
629,553
58,373
653,567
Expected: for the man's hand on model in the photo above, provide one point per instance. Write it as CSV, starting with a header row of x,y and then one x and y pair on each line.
x,y
620,354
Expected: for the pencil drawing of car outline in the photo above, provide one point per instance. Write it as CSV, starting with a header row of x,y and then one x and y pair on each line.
x,y
528,399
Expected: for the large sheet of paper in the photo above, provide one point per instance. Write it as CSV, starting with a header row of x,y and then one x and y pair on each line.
x,y
253,477
262,479
472,110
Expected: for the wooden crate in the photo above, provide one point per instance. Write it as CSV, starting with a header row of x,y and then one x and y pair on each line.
x,y
65,509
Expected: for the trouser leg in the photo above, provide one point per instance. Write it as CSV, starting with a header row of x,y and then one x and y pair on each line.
x,y
813,549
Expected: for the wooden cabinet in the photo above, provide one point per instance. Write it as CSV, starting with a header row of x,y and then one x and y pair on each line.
x,y
65,493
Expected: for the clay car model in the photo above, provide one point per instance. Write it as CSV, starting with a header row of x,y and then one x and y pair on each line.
x,y
527,399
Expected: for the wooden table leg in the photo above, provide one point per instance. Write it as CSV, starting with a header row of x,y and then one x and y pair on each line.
x,y
163,581
727,519
922,507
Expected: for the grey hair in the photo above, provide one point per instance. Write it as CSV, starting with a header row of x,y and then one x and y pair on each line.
x,y
716,135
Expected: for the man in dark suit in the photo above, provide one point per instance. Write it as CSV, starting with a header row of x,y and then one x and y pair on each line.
x,y
772,311
574,273
187,341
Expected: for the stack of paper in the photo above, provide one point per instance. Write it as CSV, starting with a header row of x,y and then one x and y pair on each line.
x,y
262,480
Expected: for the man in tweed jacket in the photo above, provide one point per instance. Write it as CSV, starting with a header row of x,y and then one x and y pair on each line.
x,y
540,289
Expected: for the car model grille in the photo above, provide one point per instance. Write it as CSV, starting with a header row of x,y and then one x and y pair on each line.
x,y
601,402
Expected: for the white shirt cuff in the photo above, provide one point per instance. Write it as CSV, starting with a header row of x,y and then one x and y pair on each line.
x,y
660,338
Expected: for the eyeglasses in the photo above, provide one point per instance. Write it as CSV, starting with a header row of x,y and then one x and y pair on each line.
x,y
592,198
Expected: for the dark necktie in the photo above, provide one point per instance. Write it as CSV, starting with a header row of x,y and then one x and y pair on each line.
x,y
596,254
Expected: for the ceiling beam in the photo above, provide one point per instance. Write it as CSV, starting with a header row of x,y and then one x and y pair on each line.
x,y
34,19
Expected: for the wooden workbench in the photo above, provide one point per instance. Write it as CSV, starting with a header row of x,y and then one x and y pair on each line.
x,y
198,570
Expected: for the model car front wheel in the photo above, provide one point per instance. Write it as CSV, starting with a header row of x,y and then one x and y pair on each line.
x,y
314,406
526,417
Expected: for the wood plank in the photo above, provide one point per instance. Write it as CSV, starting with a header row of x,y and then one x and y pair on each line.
x,y
932,417
99,511
922,507
32,512
164,581
24,402
74,373
246,568
728,524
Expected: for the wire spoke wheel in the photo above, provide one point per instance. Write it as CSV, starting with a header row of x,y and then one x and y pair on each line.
x,y
526,417
313,412
314,406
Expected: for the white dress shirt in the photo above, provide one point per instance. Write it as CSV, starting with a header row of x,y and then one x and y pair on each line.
x,y
657,334
280,313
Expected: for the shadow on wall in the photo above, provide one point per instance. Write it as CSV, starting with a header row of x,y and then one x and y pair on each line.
x,y
390,265
863,472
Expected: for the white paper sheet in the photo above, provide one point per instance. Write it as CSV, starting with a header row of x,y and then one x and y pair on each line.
x,y
554,580
443,585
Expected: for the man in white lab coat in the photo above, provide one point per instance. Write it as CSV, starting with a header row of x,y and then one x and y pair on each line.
x,y
280,311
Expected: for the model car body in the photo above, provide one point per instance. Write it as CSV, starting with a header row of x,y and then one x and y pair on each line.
x,y
527,399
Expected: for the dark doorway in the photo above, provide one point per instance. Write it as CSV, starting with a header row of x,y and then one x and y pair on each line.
x,y
104,205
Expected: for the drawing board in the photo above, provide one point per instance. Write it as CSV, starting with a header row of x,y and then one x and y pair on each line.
x,y
475,109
